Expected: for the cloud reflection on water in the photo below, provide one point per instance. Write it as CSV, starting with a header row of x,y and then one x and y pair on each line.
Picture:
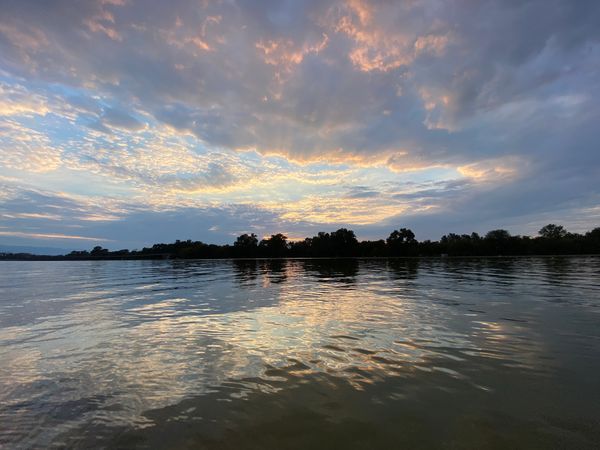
x,y
110,341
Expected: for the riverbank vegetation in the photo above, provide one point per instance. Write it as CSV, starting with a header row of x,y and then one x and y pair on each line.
x,y
551,240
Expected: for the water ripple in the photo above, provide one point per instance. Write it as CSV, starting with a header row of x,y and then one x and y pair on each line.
x,y
95,350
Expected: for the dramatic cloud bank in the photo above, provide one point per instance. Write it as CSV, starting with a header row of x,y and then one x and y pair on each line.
x,y
126,122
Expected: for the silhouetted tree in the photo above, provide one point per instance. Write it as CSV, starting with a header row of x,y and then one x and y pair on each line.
x,y
300,248
553,240
276,246
403,236
498,235
552,231
372,248
591,241
497,242
99,251
343,243
402,242
320,245
460,245
594,236
246,245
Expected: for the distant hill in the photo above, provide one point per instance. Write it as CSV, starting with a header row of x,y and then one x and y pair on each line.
x,y
34,250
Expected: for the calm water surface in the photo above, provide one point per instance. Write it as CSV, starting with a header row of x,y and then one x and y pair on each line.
x,y
473,353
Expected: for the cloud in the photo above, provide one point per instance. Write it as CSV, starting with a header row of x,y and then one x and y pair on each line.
x,y
120,119
295,91
308,109
26,149
15,100
50,236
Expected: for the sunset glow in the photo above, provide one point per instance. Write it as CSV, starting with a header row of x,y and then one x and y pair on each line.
x,y
128,122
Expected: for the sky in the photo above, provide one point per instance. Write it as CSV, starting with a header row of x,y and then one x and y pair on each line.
x,y
129,122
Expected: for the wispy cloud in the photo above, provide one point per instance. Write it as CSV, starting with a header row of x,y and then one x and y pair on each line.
x,y
51,236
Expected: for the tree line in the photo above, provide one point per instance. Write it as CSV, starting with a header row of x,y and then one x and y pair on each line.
x,y
551,240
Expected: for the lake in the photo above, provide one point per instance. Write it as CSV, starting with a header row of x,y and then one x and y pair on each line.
x,y
399,353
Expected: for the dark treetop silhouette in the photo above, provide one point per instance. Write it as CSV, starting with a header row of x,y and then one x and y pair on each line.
x,y
552,240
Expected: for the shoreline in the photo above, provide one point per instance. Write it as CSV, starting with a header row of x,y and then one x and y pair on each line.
x,y
39,258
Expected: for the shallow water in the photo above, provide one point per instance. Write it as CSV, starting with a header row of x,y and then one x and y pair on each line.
x,y
438,353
